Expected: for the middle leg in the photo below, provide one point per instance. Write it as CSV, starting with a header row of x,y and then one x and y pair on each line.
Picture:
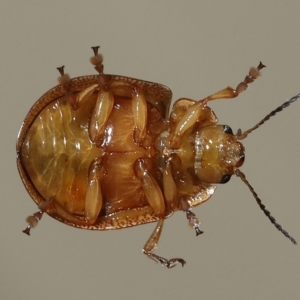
x,y
156,200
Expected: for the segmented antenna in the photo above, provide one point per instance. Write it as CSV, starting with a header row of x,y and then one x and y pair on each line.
x,y
263,207
241,135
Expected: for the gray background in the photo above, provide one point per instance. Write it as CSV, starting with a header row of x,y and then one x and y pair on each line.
x,y
195,48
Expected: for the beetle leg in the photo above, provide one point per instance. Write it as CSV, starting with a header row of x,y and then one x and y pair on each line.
x,y
93,202
83,96
100,114
97,60
151,245
188,120
194,222
34,219
139,110
192,219
170,188
192,115
93,197
242,86
75,100
150,186
155,198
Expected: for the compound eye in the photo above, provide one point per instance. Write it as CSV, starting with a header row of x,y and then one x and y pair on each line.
x,y
225,178
227,129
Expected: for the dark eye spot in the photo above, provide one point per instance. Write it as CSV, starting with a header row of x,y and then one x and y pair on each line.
x,y
225,178
227,129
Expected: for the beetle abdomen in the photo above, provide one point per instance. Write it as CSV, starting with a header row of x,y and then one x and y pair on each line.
x,y
57,152
68,142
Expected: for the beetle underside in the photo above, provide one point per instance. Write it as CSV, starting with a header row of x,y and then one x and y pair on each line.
x,y
99,152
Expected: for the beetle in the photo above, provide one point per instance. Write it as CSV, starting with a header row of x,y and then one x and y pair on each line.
x,y
101,152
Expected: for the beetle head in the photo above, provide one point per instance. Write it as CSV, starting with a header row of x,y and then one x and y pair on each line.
x,y
218,154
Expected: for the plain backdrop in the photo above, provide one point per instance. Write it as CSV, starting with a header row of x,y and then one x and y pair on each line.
x,y
196,48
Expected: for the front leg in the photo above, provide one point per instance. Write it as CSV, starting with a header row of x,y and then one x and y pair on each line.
x,y
193,113
230,93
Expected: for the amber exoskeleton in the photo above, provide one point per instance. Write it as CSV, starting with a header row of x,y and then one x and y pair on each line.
x,y
101,152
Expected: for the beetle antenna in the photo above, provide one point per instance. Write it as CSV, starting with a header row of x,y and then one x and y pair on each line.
x,y
240,174
241,135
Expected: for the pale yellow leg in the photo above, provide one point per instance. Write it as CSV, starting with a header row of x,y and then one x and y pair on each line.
x,y
170,188
93,202
194,222
75,100
193,113
100,114
139,110
93,197
151,188
34,219
155,198
188,120
151,245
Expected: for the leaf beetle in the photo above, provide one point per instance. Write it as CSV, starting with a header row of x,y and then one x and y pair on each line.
x,y
101,152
